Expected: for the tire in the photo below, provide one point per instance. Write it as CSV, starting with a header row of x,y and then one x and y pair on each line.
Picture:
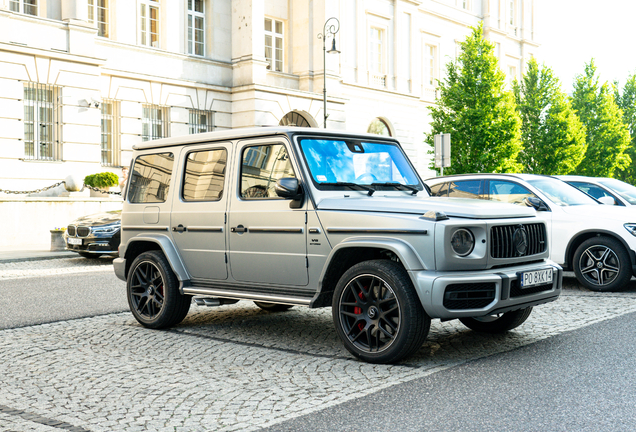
x,y
89,255
497,323
153,292
602,264
377,313
273,307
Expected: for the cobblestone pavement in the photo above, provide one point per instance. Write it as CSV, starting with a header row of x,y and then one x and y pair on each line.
x,y
230,368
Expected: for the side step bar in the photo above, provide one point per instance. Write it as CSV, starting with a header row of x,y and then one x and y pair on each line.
x,y
210,297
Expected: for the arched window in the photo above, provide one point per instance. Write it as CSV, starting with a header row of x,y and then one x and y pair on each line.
x,y
379,127
293,118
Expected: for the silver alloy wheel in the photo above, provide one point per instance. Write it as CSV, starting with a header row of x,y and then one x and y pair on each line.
x,y
599,265
370,313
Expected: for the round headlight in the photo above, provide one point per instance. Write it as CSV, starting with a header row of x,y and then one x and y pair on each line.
x,y
462,242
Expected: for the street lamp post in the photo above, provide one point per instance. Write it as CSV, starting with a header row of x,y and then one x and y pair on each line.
x,y
327,30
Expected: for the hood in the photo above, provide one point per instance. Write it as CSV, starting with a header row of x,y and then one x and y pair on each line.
x,y
617,213
99,218
457,207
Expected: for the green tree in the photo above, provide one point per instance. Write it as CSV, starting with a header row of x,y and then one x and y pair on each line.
x,y
478,112
627,102
553,137
607,136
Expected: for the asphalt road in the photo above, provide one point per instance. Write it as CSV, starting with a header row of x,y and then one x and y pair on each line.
x,y
583,380
51,298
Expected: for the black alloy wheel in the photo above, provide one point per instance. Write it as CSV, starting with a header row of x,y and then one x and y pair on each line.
x,y
377,313
602,264
153,292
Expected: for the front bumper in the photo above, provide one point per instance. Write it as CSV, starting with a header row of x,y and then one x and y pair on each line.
x,y
450,295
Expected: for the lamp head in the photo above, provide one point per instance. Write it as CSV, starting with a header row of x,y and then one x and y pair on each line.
x,y
333,49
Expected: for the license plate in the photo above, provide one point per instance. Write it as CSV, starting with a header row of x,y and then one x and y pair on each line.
x,y
537,277
74,241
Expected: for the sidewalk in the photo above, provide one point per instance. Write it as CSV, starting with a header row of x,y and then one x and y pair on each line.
x,y
33,255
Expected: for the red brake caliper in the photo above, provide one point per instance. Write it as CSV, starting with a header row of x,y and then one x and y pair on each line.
x,y
358,310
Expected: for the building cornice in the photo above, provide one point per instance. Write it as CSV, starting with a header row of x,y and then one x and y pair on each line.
x,y
50,53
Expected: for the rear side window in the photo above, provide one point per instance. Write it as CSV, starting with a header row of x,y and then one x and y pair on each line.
x,y
150,178
439,190
466,189
204,175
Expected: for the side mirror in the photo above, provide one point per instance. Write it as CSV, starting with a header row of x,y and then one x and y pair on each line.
x,y
537,204
290,188
607,200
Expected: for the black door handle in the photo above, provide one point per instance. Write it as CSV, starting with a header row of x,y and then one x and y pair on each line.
x,y
179,228
239,229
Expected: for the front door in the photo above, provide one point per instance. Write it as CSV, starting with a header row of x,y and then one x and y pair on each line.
x,y
267,238
198,214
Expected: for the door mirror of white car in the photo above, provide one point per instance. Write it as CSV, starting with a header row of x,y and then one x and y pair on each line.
x,y
607,200
536,203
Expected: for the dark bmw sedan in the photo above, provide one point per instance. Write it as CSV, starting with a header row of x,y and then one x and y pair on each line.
x,y
94,235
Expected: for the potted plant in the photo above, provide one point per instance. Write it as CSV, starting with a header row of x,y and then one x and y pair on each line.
x,y
102,181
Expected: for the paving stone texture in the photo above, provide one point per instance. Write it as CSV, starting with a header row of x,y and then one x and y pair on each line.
x,y
229,368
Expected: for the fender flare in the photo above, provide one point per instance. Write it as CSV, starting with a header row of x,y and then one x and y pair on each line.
x,y
168,249
593,233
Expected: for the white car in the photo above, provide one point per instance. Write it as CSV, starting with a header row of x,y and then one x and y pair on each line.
x,y
596,241
607,190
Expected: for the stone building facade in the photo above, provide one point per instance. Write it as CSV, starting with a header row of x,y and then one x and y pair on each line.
x,y
82,81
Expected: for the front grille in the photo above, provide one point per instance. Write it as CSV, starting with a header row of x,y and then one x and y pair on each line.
x,y
516,291
502,240
83,231
469,295
71,230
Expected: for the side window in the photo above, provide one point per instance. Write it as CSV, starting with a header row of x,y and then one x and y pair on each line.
x,y
509,192
592,190
262,166
204,175
439,190
466,189
150,178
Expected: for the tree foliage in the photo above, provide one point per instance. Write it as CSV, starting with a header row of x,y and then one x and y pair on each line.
x,y
553,137
607,136
627,102
478,112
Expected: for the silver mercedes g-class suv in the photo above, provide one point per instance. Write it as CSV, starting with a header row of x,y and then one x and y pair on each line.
x,y
307,217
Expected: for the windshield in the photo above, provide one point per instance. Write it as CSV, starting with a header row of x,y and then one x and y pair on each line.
x,y
625,190
561,193
378,165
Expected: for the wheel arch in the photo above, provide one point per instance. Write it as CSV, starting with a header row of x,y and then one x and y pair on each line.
x,y
580,237
353,251
138,245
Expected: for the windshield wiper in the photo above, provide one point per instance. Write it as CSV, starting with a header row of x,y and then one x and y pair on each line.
x,y
399,186
354,186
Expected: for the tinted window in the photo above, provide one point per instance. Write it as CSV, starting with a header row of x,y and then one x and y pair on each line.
x,y
262,166
625,190
466,189
150,178
591,189
509,192
204,175
439,190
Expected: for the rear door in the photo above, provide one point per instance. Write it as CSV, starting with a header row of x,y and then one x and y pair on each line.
x,y
198,213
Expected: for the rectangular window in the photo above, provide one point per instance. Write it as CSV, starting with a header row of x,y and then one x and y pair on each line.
x,y
98,15
430,65
154,122
204,175
28,7
150,178
513,12
42,122
201,121
512,74
376,38
262,167
274,44
111,150
149,23
196,27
